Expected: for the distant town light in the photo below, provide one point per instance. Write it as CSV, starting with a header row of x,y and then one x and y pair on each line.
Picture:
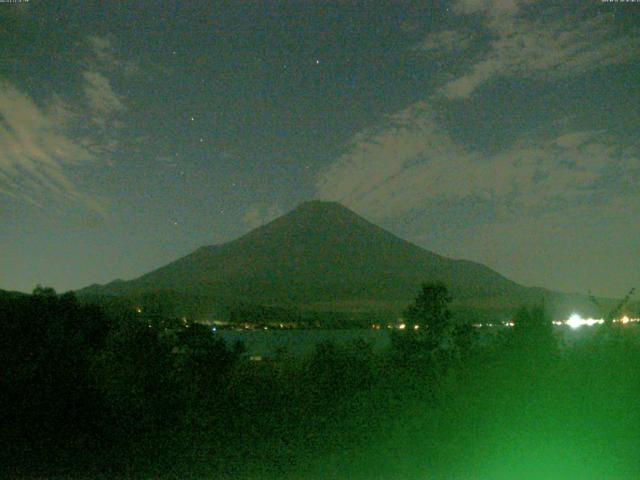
x,y
576,321
402,326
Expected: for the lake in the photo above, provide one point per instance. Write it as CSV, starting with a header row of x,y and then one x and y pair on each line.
x,y
264,343
299,341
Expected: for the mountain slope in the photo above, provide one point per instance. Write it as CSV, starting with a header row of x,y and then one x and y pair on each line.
x,y
321,255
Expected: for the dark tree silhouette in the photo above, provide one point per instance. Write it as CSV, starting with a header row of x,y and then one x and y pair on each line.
x,y
464,337
533,330
430,310
609,315
427,320
48,342
44,291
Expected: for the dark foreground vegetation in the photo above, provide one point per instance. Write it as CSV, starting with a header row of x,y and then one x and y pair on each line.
x,y
86,395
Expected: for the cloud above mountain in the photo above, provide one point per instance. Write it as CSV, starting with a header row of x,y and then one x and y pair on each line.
x,y
421,168
538,47
46,142
414,162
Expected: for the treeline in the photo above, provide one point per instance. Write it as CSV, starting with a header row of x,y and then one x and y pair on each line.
x,y
265,315
87,394
77,383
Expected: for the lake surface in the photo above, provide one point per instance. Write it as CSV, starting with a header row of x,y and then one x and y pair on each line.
x,y
300,341
265,343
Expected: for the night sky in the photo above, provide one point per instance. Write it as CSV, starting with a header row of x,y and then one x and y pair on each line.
x,y
498,131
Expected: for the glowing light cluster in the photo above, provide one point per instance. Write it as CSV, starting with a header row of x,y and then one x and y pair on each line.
x,y
576,321
624,320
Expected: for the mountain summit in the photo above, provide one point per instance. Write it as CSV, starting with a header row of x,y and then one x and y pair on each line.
x,y
319,255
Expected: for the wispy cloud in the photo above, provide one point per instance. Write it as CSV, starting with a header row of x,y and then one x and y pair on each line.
x,y
445,42
102,62
384,170
104,56
493,8
44,142
534,46
553,197
414,163
103,101
36,150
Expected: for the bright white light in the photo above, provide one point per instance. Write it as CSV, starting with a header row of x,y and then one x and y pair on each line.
x,y
576,321
402,326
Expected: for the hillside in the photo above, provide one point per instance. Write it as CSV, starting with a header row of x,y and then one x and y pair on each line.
x,y
322,256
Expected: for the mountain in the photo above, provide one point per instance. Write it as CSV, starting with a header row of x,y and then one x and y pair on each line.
x,y
320,256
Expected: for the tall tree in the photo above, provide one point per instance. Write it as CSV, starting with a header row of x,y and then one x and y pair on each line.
x,y
427,320
430,310
533,330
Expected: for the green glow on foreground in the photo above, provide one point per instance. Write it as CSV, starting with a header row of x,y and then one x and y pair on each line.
x,y
505,416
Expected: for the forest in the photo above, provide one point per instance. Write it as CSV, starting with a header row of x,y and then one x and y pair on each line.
x,y
86,394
